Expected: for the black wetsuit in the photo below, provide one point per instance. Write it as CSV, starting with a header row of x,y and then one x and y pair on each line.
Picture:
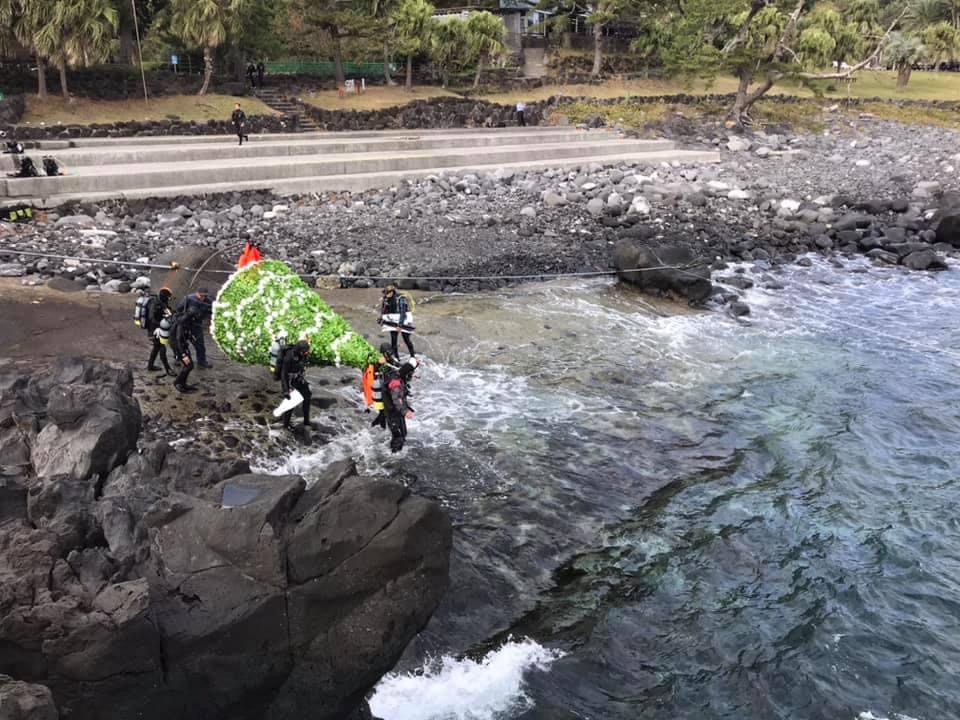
x,y
202,309
239,119
394,405
158,310
293,375
397,304
181,335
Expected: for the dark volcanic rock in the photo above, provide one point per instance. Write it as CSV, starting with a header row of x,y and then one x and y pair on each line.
x,y
157,584
23,701
924,260
664,269
948,231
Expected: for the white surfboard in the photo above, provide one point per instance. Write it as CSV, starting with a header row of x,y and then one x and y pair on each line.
x,y
391,321
295,399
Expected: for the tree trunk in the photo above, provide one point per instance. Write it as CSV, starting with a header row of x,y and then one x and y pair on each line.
x,y
903,75
597,49
235,63
567,40
63,80
740,103
476,78
386,62
41,78
207,70
128,43
446,77
410,71
338,59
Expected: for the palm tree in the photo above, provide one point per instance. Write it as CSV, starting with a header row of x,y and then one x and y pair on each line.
x,y
34,16
206,24
941,41
381,10
903,51
485,35
74,33
448,38
410,23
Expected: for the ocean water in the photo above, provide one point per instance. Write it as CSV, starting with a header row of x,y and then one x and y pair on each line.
x,y
687,516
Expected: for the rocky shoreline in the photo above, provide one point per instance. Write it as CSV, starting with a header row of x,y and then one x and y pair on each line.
x,y
863,186
139,580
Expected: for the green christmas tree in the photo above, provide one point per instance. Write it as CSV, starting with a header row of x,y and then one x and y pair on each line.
x,y
267,300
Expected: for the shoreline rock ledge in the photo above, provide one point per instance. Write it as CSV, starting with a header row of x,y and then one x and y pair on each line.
x,y
141,582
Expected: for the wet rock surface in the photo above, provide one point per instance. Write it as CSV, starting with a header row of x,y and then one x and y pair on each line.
x,y
152,582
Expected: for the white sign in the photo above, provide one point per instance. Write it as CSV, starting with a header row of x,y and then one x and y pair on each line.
x,y
174,60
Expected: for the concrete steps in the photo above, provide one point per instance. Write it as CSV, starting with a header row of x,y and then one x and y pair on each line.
x,y
280,102
130,151
534,65
318,161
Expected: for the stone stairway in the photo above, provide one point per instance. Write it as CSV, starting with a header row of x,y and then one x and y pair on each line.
x,y
282,103
534,65
98,169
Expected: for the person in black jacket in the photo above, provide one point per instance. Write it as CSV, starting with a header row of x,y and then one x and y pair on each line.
x,y
261,69
202,307
293,376
239,120
159,309
251,71
181,335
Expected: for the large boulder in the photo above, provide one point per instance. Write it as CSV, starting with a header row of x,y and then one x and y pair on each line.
x,y
924,260
671,270
948,230
23,701
157,584
213,267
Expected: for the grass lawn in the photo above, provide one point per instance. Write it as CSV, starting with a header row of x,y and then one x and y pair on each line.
x,y
182,107
376,97
808,116
923,86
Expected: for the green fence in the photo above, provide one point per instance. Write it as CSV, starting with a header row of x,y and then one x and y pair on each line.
x,y
326,69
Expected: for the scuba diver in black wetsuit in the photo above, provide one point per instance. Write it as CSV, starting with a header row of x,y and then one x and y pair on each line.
x,y
293,375
396,307
181,336
392,389
157,311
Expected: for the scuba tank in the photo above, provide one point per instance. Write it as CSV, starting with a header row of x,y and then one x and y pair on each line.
x,y
377,393
140,311
276,355
165,326
408,368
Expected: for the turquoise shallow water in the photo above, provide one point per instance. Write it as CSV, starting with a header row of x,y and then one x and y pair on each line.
x,y
689,517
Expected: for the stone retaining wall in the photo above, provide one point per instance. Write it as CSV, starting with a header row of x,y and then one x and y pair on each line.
x,y
11,109
442,112
255,124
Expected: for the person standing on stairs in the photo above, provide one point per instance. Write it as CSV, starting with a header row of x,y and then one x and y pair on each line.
x,y
239,120
251,71
261,69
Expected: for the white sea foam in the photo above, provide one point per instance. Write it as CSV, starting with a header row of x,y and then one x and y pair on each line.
x,y
451,689
868,715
